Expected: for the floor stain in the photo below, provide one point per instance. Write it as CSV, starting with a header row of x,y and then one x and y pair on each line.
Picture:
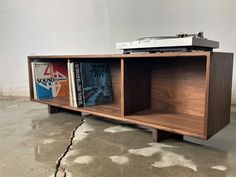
x,y
116,129
121,160
48,141
85,159
219,167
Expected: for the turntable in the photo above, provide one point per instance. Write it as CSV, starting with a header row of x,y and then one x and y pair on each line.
x,y
178,43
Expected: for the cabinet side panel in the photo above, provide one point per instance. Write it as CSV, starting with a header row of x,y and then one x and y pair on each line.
x,y
122,70
137,85
116,81
219,96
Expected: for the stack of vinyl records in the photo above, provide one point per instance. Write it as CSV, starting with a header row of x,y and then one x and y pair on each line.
x,y
85,83
90,83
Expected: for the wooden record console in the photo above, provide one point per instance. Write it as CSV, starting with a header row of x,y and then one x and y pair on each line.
x,y
174,93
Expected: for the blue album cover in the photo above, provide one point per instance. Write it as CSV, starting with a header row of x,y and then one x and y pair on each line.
x,y
96,82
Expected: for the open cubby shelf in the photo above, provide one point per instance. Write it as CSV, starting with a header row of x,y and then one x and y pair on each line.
x,y
185,93
171,121
112,109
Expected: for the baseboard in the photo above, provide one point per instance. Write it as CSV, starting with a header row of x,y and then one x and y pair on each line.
x,y
12,90
234,97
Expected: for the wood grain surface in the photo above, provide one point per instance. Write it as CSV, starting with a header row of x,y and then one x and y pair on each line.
x,y
178,85
112,56
137,86
219,94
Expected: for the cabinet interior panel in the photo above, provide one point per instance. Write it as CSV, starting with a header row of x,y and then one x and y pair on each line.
x,y
179,85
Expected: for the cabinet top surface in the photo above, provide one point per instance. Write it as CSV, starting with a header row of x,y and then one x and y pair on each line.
x,y
138,55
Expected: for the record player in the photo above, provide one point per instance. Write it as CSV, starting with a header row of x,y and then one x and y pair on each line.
x,y
177,43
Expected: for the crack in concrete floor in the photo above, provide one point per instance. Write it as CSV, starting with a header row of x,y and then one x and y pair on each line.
x,y
60,168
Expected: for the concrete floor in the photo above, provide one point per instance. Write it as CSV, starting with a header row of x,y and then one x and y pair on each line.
x,y
35,144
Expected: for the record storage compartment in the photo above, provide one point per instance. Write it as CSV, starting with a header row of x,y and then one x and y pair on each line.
x,y
112,109
172,93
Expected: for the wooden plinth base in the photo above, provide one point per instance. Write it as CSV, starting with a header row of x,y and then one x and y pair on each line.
x,y
160,135
53,109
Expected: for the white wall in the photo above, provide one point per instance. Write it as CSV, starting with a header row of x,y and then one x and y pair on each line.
x,y
93,26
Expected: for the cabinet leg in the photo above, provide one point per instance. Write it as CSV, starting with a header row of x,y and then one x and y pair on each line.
x,y
160,135
53,109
